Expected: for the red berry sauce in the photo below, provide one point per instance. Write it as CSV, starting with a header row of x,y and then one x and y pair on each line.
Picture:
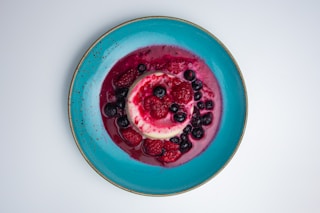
x,y
174,61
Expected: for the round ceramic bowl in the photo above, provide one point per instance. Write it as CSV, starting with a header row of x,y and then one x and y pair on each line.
x,y
110,161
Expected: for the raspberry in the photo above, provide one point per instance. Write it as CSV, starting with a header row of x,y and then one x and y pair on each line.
x,y
157,107
159,110
153,147
168,145
167,101
178,64
148,102
182,93
127,78
170,156
131,137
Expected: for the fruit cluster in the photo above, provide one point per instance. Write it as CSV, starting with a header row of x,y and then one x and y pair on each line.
x,y
199,119
159,104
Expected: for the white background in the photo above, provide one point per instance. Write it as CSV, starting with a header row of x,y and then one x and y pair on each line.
x,y
276,44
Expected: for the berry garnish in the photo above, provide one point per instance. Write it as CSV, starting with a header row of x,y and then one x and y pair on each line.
x,y
200,105
121,103
175,139
189,75
180,117
209,104
174,107
170,156
187,129
126,79
148,101
196,112
182,93
153,147
121,93
185,146
159,109
159,91
141,68
123,121
110,110
206,119
197,85
184,137
132,138
168,145
197,133
196,121
197,96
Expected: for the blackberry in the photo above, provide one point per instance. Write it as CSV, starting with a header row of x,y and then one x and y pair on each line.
x,y
197,96
159,91
123,121
197,85
180,117
197,133
110,110
189,75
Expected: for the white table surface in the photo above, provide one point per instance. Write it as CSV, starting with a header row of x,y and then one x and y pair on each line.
x,y
276,44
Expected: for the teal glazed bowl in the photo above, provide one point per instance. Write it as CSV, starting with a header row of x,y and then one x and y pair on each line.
x,y
110,161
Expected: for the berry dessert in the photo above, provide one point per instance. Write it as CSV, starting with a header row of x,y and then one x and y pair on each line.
x,y
161,104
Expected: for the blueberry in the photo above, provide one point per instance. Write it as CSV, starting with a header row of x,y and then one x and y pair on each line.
x,y
174,108
159,91
196,121
187,129
121,103
209,104
197,85
121,93
197,133
110,110
185,146
184,137
200,105
189,75
196,112
206,118
175,139
197,96
123,121
141,68
180,117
